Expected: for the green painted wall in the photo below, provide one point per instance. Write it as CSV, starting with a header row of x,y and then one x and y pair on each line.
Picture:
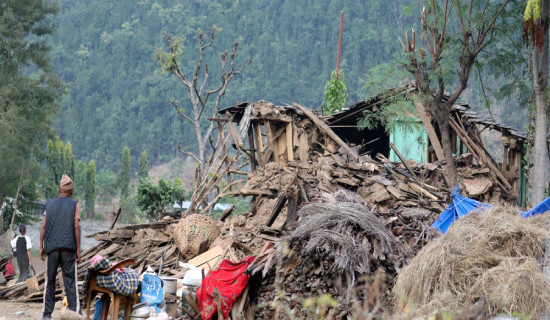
x,y
411,143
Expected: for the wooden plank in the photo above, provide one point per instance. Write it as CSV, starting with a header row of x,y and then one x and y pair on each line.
x,y
327,130
395,192
422,191
489,161
115,219
279,204
236,137
259,144
253,162
201,261
292,210
271,141
226,213
289,144
402,160
427,121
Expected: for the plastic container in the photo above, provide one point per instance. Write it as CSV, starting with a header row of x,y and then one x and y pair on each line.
x,y
170,285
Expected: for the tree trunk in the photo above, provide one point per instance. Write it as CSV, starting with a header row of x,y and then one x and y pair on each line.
x,y
540,170
539,174
446,144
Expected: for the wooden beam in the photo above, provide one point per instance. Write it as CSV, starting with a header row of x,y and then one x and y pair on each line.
x,y
289,144
327,130
403,160
253,161
427,121
271,141
236,137
480,152
259,144
115,219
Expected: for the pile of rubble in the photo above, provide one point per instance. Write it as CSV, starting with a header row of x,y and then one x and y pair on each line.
x,y
323,219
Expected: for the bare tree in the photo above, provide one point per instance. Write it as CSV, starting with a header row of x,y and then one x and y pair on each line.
x,y
197,94
477,27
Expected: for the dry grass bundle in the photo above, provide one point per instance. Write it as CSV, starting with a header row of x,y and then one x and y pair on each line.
x,y
491,254
350,233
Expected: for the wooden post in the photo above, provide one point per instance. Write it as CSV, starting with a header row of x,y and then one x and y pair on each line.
x,y
427,121
340,41
327,130
253,162
259,144
289,144
115,219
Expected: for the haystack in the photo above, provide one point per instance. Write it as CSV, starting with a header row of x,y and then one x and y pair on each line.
x,y
492,255
355,237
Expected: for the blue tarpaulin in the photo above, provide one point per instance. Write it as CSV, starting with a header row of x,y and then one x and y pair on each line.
x,y
461,206
538,209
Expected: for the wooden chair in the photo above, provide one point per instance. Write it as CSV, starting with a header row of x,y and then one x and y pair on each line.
x,y
109,296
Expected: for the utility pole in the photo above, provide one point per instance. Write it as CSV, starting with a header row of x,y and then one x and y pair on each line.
x,y
340,41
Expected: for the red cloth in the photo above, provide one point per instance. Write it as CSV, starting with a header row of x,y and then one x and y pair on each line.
x,y
230,281
9,269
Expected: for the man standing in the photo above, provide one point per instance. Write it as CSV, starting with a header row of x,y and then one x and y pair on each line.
x,y
60,243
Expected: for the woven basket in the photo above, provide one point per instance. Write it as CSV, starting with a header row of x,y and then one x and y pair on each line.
x,y
192,231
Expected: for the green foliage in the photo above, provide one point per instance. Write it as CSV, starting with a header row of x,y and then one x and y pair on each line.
x,y
125,173
25,208
58,157
532,10
106,185
91,190
335,93
28,90
99,217
69,161
79,180
143,166
154,199
397,112
127,104
129,210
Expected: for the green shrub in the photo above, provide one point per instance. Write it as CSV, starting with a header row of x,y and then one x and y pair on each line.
x,y
99,217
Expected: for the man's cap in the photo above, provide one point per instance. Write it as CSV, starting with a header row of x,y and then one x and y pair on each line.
x,y
66,184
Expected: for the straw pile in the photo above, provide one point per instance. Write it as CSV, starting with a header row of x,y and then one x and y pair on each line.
x,y
491,255
353,236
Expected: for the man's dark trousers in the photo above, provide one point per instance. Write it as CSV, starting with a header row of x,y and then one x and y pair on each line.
x,y
67,261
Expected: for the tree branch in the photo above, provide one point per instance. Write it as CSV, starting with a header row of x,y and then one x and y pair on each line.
x,y
181,113
189,154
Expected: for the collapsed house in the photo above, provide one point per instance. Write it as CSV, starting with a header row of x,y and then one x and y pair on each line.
x,y
302,164
423,145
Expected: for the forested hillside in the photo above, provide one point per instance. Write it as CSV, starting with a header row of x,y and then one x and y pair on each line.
x,y
104,52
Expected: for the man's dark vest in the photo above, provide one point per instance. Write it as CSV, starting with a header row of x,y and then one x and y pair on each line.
x,y
59,230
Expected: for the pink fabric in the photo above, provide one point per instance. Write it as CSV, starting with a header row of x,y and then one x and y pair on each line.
x,y
97,257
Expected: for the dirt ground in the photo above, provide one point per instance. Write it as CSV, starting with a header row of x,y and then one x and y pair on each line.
x,y
17,310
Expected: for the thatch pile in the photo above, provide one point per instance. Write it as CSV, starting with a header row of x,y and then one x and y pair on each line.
x,y
336,250
355,237
491,255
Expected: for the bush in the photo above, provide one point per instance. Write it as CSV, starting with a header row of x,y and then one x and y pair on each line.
x,y
99,217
